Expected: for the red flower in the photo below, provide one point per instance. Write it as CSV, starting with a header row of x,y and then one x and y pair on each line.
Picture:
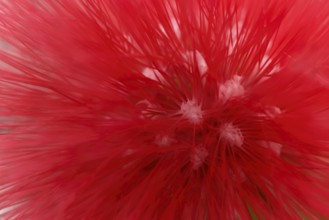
x,y
164,109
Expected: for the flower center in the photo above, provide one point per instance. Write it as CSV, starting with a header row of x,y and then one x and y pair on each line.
x,y
191,111
232,134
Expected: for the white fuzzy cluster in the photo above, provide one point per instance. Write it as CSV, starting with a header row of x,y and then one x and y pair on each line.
x,y
231,89
192,111
232,134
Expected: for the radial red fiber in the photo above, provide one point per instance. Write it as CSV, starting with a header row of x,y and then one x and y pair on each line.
x,y
164,109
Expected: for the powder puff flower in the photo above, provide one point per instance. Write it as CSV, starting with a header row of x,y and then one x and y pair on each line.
x,y
164,109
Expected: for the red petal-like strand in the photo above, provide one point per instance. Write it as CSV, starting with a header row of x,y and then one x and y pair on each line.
x,y
164,109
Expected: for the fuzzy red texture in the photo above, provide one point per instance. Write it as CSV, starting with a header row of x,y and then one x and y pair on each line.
x,y
85,135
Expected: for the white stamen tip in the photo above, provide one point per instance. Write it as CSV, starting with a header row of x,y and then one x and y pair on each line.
x,y
200,60
231,89
191,111
232,134
275,69
202,65
198,157
153,74
266,62
174,26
